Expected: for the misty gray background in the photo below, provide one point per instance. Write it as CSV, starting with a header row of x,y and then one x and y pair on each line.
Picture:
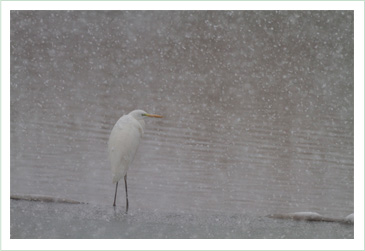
x,y
258,108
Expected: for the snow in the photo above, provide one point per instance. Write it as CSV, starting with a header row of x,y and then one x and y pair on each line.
x,y
258,108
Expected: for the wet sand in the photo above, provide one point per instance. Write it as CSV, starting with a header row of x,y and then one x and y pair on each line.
x,y
54,220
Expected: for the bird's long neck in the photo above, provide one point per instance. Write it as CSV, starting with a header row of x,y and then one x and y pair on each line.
x,y
142,124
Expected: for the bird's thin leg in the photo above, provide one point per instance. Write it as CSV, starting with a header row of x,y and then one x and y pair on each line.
x,y
115,196
126,193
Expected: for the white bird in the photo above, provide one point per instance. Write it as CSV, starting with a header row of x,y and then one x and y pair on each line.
x,y
123,143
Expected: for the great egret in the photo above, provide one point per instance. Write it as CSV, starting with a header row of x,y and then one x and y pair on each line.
x,y
123,143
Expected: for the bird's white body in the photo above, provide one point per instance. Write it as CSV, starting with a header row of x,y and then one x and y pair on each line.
x,y
123,144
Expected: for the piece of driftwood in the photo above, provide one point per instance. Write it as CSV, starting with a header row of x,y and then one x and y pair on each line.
x,y
312,216
41,198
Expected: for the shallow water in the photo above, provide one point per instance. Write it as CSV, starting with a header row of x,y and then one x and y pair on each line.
x,y
258,108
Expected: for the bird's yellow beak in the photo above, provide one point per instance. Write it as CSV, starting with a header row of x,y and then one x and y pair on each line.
x,y
153,115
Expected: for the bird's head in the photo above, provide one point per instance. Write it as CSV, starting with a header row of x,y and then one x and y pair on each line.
x,y
140,114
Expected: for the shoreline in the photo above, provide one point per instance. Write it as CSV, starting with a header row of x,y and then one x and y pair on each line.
x,y
33,219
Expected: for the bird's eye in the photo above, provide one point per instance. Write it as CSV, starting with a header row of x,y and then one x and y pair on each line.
x,y
143,114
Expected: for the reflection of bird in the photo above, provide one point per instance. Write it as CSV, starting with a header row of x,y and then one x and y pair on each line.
x,y
123,143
